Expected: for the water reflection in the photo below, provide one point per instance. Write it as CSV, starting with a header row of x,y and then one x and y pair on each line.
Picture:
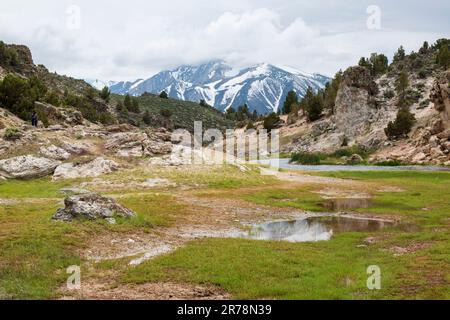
x,y
312,229
347,204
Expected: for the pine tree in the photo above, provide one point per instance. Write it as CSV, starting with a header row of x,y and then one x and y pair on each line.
x,y
400,55
127,102
443,56
164,95
402,84
314,108
402,124
271,121
105,94
291,99
424,48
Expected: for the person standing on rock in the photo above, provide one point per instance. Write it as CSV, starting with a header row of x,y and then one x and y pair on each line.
x,y
34,119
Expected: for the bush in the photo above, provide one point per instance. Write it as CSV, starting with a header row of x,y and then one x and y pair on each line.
x,y
306,158
348,152
166,113
389,163
8,56
402,124
12,134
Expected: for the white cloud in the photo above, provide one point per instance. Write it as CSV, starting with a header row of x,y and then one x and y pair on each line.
x,y
126,40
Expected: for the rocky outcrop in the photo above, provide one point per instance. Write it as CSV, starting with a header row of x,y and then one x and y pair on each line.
x,y
54,152
440,96
27,167
138,144
91,206
355,107
94,168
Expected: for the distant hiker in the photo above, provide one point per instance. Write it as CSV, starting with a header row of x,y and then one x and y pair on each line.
x,y
143,149
34,119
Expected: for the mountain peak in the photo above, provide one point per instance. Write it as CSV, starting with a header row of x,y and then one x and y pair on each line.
x,y
263,86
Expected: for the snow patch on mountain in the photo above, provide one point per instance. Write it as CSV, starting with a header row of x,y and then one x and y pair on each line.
x,y
263,87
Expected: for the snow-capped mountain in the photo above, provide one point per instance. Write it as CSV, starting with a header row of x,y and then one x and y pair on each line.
x,y
263,87
99,84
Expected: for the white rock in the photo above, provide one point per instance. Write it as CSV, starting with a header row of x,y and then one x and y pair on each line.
x,y
54,152
27,167
94,168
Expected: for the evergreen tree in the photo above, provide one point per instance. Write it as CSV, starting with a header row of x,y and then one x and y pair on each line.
x,y
400,55
271,121
424,48
291,99
314,108
443,56
134,105
164,95
105,94
127,102
402,124
402,84
378,64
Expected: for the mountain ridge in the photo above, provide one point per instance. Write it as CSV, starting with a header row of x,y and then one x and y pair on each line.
x,y
263,87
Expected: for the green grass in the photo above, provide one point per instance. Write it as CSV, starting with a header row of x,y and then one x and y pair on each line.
x,y
35,251
280,270
424,194
38,188
300,198
327,270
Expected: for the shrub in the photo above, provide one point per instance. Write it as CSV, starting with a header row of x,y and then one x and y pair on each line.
x,y
402,124
389,163
307,158
12,134
166,113
348,152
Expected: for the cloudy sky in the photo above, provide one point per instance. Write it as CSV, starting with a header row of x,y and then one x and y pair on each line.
x,y
125,40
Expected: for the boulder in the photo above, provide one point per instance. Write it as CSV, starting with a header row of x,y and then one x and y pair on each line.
x,y
138,144
54,152
445,135
27,167
91,206
355,159
77,148
94,168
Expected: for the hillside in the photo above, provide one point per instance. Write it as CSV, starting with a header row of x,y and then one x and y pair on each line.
x,y
181,114
368,100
